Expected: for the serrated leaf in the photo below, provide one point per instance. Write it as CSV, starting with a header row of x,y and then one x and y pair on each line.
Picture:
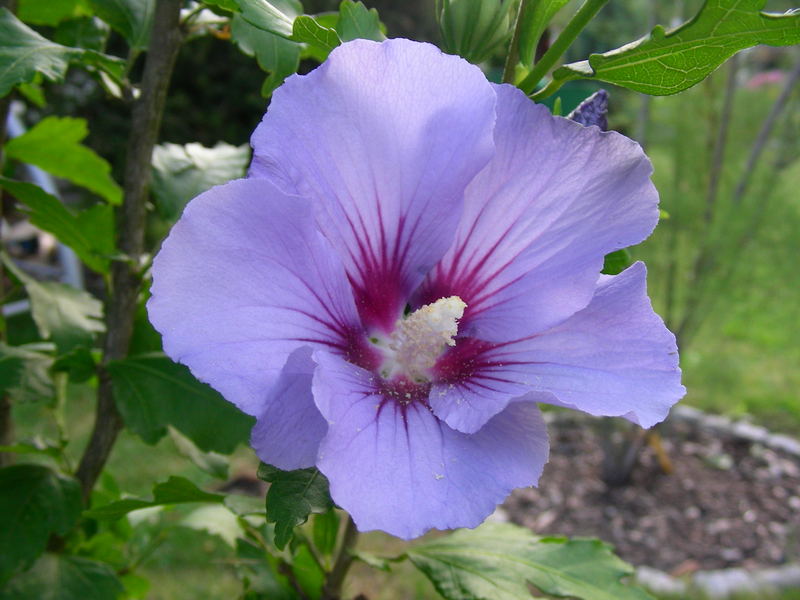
x,y
307,30
60,577
182,172
24,53
89,237
132,19
50,12
356,21
496,561
276,55
54,144
68,316
666,63
35,502
176,490
293,496
274,16
24,373
152,392
533,21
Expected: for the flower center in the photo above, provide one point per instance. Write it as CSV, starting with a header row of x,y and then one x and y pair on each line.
x,y
420,338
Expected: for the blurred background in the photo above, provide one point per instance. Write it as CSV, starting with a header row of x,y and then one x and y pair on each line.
x,y
724,272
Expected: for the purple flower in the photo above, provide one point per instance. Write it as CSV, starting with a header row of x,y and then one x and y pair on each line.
x,y
412,264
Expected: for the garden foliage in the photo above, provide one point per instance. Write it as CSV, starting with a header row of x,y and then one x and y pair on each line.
x,y
66,528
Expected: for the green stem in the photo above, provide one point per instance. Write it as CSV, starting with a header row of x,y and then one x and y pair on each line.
x,y
578,22
513,49
333,583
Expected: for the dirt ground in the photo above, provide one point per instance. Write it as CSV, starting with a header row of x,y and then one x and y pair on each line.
x,y
726,503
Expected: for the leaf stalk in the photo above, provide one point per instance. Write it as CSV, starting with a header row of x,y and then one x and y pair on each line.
x,y
577,24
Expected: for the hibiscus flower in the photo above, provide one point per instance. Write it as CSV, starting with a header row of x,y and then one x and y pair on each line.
x,y
410,267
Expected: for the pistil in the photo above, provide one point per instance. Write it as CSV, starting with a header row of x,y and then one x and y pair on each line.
x,y
419,339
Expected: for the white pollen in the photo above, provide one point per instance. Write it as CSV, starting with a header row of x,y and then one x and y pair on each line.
x,y
419,339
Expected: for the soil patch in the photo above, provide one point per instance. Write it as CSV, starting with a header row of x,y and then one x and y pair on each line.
x,y
728,501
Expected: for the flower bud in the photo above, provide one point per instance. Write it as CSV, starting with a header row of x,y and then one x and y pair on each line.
x,y
474,29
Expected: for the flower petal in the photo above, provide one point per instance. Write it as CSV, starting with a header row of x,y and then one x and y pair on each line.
x,y
613,358
539,219
401,470
243,279
385,138
288,432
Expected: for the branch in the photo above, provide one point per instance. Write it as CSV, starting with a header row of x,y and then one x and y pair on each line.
x,y
704,259
126,277
764,133
333,583
693,316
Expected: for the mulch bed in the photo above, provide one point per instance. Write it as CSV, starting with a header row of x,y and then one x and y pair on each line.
x,y
728,502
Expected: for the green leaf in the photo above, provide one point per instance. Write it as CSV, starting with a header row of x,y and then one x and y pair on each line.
x,y
293,496
497,561
54,145
358,22
309,31
216,520
276,55
666,63
89,237
35,502
33,93
616,262
534,20
50,12
67,315
24,373
24,53
152,392
88,32
60,577
325,531
176,490
78,364
243,505
132,19
182,172
308,573
136,586
229,5
39,447
212,463
274,16
376,562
